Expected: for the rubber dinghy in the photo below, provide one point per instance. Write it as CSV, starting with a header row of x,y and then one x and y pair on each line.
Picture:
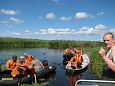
x,y
7,80
84,65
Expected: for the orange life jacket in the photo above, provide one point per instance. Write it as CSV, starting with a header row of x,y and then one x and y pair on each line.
x,y
28,59
76,58
11,64
15,70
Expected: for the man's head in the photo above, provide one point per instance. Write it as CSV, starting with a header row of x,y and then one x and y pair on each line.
x,y
108,39
21,59
14,58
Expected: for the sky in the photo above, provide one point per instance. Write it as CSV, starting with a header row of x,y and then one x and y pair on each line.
x,y
85,20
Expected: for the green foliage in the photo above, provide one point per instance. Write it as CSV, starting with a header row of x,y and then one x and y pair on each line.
x,y
96,64
34,84
62,44
57,44
22,43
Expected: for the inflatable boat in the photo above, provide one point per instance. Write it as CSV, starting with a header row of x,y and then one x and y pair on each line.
x,y
7,80
84,65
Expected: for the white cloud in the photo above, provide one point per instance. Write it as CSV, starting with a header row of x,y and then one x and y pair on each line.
x,y
8,12
16,34
40,17
65,18
36,33
12,33
69,31
63,30
15,20
11,22
84,28
88,30
51,31
81,15
3,22
60,31
55,0
112,30
26,31
43,30
50,16
56,32
100,13
100,27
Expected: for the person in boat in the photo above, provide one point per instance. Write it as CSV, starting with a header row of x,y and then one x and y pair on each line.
x,y
11,63
74,50
68,51
38,66
28,59
68,54
21,69
77,59
109,58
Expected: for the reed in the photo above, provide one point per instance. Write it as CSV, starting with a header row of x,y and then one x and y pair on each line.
x,y
96,64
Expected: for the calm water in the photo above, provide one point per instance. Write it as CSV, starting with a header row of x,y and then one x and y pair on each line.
x,y
54,57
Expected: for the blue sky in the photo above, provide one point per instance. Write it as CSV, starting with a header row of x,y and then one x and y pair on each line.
x,y
57,19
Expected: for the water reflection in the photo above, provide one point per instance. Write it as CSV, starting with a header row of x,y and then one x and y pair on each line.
x,y
73,78
75,75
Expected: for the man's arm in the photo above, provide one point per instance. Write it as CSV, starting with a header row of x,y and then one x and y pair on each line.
x,y
106,59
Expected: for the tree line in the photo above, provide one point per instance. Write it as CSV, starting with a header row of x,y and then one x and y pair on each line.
x,y
6,42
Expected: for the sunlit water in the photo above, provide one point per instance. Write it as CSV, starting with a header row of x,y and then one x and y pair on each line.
x,y
54,57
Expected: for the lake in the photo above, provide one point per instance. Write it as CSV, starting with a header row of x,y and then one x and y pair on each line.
x,y
54,57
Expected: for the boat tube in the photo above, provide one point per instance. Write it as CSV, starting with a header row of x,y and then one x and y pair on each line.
x,y
7,80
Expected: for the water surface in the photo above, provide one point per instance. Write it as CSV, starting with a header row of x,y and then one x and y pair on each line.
x,y
54,57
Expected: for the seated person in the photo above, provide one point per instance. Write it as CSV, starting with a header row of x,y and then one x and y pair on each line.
x,y
28,59
21,68
68,51
38,66
77,60
11,63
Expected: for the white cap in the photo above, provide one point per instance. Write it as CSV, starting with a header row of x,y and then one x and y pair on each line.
x,y
22,57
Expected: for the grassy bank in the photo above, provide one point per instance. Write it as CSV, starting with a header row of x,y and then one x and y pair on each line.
x,y
57,44
96,64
